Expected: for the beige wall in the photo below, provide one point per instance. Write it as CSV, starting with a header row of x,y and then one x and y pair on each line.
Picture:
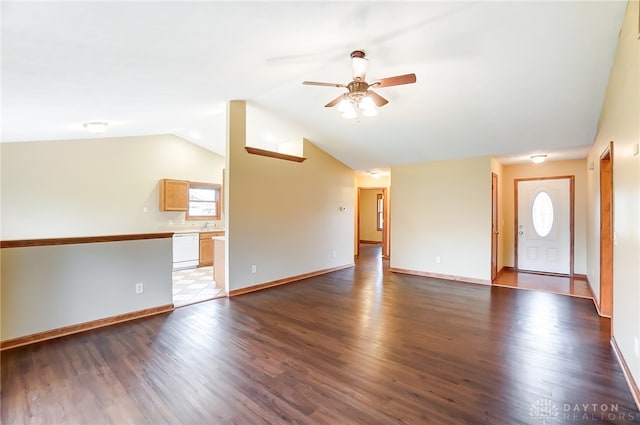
x,y
95,186
369,215
50,287
443,209
620,123
284,217
577,168
365,180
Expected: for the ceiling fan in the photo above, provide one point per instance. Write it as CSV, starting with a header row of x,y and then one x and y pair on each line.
x,y
359,95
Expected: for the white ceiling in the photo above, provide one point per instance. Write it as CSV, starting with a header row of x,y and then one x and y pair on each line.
x,y
507,79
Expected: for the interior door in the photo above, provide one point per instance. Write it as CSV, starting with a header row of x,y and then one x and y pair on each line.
x,y
544,225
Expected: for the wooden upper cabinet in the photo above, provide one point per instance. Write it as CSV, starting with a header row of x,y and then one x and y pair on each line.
x,y
174,195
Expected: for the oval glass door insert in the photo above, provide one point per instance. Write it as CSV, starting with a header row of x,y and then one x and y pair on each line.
x,y
542,214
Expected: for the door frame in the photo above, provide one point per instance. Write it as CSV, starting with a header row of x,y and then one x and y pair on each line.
x,y
605,300
572,195
385,221
495,227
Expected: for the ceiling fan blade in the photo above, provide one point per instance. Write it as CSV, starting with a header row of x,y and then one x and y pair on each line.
x,y
377,99
394,81
335,101
315,83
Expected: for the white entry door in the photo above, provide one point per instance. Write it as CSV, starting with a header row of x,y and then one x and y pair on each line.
x,y
544,233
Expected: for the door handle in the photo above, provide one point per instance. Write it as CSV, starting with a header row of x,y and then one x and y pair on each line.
x,y
521,233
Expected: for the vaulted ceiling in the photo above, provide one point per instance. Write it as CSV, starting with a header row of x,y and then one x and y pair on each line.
x,y
507,79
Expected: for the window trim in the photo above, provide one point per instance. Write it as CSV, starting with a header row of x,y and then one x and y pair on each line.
x,y
218,192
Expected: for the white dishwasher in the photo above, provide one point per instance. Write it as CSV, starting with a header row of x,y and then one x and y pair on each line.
x,y
186,250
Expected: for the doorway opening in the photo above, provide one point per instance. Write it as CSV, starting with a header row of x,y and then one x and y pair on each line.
x,y
606,232
372,226
195,271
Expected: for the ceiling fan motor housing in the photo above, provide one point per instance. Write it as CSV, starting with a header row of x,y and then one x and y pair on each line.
x,y
357,91
357,87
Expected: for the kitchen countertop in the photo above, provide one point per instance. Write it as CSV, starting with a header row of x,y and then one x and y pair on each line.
x,y
196,230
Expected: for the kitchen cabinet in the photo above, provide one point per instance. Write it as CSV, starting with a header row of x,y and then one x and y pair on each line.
x,y
174,195
206,248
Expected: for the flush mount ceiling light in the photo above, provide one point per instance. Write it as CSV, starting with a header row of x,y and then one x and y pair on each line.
x,y
96,127
374,174
538,159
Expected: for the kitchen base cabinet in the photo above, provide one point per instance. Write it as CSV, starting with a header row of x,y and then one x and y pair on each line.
x,y
206,252
206,248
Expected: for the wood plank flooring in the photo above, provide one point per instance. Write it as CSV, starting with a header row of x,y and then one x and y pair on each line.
x,y
357,346
573,286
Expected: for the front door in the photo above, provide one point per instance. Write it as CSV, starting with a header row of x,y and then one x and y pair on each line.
x,y
544,225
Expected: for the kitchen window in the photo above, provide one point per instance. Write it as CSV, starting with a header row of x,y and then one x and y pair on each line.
x,y
204,201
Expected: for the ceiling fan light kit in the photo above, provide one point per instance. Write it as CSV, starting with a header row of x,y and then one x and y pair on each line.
x,y
349,106
359,98
359,64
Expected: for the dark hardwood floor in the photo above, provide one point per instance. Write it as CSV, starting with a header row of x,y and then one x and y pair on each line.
x,y
573,286
358,346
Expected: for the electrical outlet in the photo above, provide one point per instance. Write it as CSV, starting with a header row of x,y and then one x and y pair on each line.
x,y
253,268
438,259
145,210
333,254
139,288
635,345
